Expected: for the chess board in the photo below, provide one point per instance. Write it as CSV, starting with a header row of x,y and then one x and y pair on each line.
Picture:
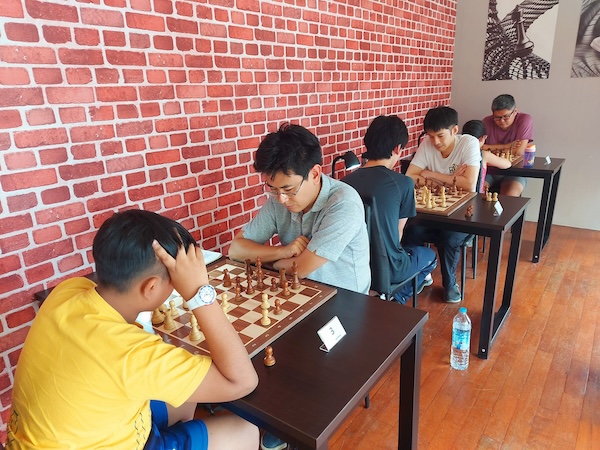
x,y
514,159
246,315
453,202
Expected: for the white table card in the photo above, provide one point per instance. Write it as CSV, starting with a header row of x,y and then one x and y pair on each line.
x,y
331,334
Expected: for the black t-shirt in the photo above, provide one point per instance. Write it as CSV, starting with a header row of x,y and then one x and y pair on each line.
x,y
394,194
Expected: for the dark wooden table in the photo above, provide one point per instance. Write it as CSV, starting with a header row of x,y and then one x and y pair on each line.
x,y
484,223
550,173
308,393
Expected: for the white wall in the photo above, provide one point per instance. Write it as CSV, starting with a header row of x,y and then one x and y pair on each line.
x,y
566,111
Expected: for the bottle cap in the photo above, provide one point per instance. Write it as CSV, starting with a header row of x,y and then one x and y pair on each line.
x,y
462,309
530,147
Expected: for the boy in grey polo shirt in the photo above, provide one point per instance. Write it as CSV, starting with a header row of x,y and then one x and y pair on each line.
x,y
319,221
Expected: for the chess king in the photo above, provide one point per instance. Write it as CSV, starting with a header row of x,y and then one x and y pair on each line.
x,y
84,349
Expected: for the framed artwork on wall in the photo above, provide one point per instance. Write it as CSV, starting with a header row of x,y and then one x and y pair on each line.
x,y
586,58
519,39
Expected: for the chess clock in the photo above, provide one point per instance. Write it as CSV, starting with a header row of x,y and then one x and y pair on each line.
x,y
206,295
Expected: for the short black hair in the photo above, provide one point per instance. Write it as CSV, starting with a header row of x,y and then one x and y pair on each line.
x,y
474,128
504,101
122,248
290,150
383,135
440,118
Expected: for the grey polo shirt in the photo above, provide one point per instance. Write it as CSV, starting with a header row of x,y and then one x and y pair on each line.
x,y
336,228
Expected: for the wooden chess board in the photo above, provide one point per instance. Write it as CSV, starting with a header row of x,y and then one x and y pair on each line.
x,y
246,315
453,202
514,159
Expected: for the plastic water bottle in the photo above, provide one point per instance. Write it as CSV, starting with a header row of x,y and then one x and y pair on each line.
x,y
461,340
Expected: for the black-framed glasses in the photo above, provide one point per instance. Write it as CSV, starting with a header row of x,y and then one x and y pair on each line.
x,y
505,116
287,193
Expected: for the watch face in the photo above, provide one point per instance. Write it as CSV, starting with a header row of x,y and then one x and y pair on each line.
x,y
207,294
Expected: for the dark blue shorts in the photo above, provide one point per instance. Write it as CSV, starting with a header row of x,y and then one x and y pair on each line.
x,y
191,435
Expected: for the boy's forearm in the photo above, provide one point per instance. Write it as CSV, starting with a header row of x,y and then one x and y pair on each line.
x,y
226,348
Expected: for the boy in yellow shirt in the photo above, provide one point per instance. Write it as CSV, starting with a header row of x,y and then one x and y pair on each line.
x,y
88,377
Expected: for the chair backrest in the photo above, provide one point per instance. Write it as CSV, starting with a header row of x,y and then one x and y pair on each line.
x,y
380,264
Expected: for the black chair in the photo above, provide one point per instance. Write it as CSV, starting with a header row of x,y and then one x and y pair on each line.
x,y
380,263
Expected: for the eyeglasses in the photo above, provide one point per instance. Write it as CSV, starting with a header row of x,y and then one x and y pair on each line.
x,y
287,193
504,117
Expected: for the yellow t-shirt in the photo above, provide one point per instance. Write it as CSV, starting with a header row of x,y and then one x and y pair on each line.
x,y
85,376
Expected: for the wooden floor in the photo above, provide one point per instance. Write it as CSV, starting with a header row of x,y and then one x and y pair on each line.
x,y
540,388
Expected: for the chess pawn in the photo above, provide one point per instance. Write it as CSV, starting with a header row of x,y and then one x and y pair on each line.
x,y
238,293
224,302
489,196
269,359
174,312
286,291
495,197
169,322
277,310
195,334
157,317
273,287
184,305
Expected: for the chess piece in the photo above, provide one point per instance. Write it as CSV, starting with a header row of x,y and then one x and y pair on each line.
x,y
174,312
258,264
295,280
157,317
286,291
469,212
265,321
260,284
249,268
226,278
184,305
238,294
277,307
169,322
269,359
265,302
495,197
195,334
281,277
250,287
224,302
273,287
488,197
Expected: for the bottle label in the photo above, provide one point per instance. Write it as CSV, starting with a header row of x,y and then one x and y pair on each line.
x,y
461,339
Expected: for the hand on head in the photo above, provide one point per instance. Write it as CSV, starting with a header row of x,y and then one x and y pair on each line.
x,y
187,270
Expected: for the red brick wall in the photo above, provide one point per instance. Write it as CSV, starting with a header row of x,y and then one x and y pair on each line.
x,y
159,104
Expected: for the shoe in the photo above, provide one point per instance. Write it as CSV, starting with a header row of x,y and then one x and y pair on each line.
x,y
453,294
428,281
270,442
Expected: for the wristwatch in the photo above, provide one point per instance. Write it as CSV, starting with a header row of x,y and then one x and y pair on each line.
x,y
206,295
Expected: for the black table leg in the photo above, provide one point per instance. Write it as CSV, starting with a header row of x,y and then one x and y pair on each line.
x,y
542,218
489,296
511,269
552,202
410,385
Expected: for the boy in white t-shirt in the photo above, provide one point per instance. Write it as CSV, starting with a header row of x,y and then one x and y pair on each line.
x,y
443,156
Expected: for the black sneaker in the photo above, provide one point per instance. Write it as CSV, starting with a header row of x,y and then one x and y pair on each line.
x,y
453,294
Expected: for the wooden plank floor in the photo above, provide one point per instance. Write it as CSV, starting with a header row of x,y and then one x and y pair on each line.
x,y
540,388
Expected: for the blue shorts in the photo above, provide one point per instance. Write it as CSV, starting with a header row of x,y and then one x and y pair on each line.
x,y
496,180
190,435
